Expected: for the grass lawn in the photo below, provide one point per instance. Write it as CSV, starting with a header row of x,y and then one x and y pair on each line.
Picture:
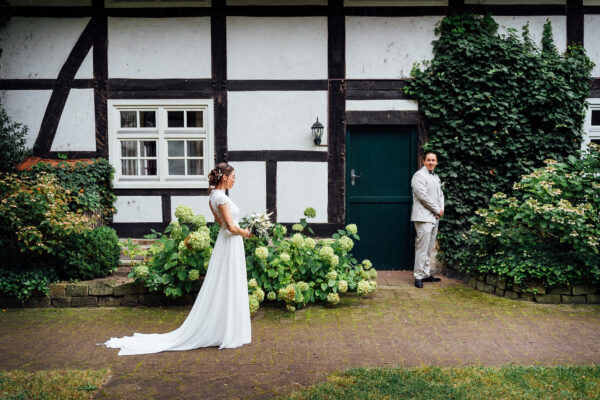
x,y
50,385
509,382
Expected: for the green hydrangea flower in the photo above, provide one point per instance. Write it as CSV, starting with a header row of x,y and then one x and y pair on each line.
x,y
290,308
345,243
175,229
309,243
280,229
198,241
181,248
364,288
184,214
260,294
261,252
297,228
194,275
373,274
253,303
199,220
372,286
366,275
332,275
271,296
367,264
310,212
303,286
285,257
252,283
141,271
352,229
342,286
287,294
335,260
298,240
325,253
333,298
326,242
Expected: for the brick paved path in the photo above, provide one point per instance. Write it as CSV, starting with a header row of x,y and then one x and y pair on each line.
x,y
444,324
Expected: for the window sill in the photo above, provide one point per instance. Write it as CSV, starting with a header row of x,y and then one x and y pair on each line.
x,y
160,185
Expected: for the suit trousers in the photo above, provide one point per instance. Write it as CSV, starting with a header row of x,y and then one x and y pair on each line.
x,y
425,240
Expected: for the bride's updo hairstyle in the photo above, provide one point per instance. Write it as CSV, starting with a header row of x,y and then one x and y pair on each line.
x,y
216,174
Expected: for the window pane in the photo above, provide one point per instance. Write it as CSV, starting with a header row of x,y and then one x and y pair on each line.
x,y
195,167
176,148
148,167
194,119
128,167
175,119
596,117
195,148
128,119
176,167
148,119
148,149
129,148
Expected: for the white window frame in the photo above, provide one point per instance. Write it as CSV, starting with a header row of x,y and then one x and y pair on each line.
x,y
591,132
161,134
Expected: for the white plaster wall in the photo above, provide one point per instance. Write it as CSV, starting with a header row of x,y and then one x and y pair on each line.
x,y
387,47
382,105
536,28
277,48
138,209
147,48
250,190
198,203
591,34
301,185
86,70
26,107
77,128
37,47
278,120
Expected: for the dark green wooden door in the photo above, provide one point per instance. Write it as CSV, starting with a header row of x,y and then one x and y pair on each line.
x,y
379,197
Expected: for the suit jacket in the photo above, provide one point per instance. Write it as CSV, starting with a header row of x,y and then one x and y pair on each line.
x,y
428,198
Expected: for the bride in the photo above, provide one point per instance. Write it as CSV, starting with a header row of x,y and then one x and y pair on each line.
x,y
220,316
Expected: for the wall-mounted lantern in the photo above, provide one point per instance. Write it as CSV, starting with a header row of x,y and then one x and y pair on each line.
x,y
317,131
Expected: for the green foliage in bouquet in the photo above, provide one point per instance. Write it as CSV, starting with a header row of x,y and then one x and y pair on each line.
x,y
178,257
496,106
547,231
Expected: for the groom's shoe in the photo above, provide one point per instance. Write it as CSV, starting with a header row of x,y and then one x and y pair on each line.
x,y
431,278
419,283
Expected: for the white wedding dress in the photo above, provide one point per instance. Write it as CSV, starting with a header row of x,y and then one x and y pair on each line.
x,y
220,316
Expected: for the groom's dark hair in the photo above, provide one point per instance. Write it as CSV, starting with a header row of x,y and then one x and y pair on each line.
x,y
429,152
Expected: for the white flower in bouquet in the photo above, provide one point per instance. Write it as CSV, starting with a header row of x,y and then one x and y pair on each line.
x,y
141,271
333,298
259,224
297,228
285,257
367,264
335,260
260,294
325,253
184,214
252,283
253,303
345,243
193,275
309,243
271,296
298,240
352,229
364,288
261,252
332,275
342,286
303,286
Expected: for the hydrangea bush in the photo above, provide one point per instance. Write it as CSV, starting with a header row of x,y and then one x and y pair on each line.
x,y
547,231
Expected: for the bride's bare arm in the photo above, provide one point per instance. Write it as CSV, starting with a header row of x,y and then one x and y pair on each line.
x,y
231,227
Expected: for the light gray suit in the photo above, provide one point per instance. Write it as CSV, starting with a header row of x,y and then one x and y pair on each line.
x,y
428,201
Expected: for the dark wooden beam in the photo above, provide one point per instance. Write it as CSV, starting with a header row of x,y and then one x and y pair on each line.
x,y
575,22
218,29
276,85
276,11
119,84
277,155
375,89
160,192
358,118
101,77
271,188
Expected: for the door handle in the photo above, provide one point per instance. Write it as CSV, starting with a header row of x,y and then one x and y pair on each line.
x,y
354,177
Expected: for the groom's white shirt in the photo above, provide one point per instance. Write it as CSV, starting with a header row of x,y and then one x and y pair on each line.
x,y
428,198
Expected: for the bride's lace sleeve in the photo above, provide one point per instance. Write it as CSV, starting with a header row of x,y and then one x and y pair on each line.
x,y
217,199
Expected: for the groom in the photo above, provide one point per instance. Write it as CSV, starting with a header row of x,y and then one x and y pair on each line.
x,y
427,209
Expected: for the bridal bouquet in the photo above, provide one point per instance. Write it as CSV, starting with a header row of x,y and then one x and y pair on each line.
x,y
259,224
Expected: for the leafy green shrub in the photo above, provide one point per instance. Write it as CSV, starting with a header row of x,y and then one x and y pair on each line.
x,y
496,107
24,284
92,254
12,142
548,231
178,257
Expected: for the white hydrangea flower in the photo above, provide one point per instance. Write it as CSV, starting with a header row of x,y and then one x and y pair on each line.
x,y
252,283
303,286
298,240
352,229
285,257
325,253
290,308
261,252
334,261
345,243
198,241
184,214
253,303
272,296
342,286
297,228
199,220
363,288
332,275
141,271
309,243
372,286
333,298
367,264
260,294
194,275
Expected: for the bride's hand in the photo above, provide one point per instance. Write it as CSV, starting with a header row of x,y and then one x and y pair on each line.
x,y
248,233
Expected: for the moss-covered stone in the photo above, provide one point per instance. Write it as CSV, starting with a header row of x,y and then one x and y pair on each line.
x,y
61,301
484,287
499,292
108,301
560,290
89,301
77,290
38,302
129,288
585,289
511,295
102,288
593,298
573,299
548,298
528,296
130,300
58,289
